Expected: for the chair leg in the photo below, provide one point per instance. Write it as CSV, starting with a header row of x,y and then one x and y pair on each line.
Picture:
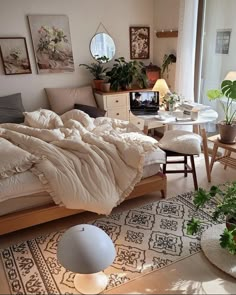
x,y
164,168
194,172
185,166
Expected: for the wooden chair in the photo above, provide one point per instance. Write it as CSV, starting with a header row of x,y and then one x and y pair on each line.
x,y
183,160
183,145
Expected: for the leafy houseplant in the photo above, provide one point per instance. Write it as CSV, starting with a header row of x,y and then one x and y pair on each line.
x,y
225,206
98,70
123,74
227,128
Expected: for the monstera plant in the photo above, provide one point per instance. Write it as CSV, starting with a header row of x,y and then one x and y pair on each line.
x,y
226,96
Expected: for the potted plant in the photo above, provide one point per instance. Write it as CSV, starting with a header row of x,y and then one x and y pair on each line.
x,y
227,127
169,101
98,70
224,199
124,74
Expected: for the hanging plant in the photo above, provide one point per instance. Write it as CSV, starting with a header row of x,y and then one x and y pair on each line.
x,y
167,60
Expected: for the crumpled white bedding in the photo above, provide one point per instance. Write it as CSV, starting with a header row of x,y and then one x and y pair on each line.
x,y
84,163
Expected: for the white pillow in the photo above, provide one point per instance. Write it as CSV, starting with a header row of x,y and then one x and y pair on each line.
x,y
14,159
43,119
181,141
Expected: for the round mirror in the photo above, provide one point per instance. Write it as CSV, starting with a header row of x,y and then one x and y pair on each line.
x,y
102,45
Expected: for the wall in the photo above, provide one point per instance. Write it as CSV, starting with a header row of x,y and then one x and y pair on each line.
x,y
166,17
84,18
220,14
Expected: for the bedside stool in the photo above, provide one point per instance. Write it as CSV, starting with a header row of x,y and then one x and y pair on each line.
x,y
226,159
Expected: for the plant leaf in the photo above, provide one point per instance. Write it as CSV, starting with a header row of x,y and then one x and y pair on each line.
x,y
214,94
229,89
227,241
193,226
201,197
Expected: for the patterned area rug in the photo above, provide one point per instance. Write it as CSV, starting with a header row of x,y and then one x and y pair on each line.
x,y
147,238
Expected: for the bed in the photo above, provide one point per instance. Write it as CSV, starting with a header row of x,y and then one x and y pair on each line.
x,y
27,201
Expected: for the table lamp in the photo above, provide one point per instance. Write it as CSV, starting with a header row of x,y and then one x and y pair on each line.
x,y
86,250
162,87
230,76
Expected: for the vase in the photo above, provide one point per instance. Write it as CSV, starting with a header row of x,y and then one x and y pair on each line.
x,y
169,107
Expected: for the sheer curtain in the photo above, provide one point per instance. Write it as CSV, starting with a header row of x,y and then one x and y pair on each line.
x,y
184,81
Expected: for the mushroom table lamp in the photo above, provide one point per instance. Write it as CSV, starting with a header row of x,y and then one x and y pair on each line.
x,y
86,250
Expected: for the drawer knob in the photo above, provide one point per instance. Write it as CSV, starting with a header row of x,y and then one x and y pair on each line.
x,y
117,114
117,100
138,123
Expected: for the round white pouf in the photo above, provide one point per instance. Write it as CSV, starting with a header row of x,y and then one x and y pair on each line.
x,y
218,256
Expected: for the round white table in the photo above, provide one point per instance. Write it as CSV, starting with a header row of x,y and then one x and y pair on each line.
x,y
178,118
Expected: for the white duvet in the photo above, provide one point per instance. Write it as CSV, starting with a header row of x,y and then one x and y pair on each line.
x,y
84,163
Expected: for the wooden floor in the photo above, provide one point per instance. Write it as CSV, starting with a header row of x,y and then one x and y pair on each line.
x,y
193,275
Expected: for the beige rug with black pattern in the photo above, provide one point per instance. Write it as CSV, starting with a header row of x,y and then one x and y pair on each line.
x,y
147,239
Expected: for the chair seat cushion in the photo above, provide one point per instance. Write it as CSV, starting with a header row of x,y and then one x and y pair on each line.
x,y
180,141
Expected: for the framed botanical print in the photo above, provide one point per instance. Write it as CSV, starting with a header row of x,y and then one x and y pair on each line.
x,y
14,56
139,42
52,43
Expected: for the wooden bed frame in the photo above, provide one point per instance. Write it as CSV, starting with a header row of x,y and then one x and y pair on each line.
x,y
26,218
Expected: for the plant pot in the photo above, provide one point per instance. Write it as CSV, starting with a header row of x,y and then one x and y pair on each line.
x,y
98,84
227,132
106,87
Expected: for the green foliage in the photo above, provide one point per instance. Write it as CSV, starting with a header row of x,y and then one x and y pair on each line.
x,y
97,68
227,240
193,226
228,90
167,60
123,74
224,198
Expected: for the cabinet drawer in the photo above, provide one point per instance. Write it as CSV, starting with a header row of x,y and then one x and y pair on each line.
x,y
114,101
119,113
137,122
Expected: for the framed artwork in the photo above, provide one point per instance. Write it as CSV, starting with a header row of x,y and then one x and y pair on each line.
x,y
52,43
222,41
15,56
139,42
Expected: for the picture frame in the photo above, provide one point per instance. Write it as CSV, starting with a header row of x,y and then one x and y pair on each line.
x,y
223,41
52,43
14,55
139,42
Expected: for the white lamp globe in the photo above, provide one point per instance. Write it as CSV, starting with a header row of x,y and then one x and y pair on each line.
x,y
86,249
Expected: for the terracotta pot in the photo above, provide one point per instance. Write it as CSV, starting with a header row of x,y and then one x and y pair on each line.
x,y
98,84
227,133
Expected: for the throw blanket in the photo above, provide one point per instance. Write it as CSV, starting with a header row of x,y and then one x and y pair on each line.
x,y
84,163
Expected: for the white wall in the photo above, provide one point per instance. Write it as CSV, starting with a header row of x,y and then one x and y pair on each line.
x,y
166,17
84,18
